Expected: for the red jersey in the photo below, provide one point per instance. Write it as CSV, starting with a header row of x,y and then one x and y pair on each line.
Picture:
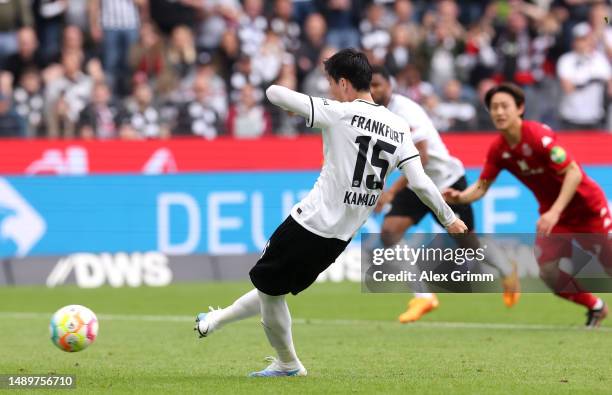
x,y
536,161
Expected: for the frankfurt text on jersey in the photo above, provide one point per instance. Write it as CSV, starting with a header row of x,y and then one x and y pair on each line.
x,y
376,127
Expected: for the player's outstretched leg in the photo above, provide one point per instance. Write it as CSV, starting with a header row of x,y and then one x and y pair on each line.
x,y
393,229
512,286
421,304
508,271
566,287
244,307
276,321
597,314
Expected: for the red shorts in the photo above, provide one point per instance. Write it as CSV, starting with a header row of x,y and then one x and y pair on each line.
x,y
593,233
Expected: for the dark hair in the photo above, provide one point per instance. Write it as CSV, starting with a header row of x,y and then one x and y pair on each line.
x,y
382,70
509,88
351,65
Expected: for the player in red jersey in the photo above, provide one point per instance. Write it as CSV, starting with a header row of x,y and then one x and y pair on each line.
x,y
570,201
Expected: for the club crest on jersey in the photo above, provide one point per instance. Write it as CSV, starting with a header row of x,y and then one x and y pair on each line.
x,y
558,155
527,151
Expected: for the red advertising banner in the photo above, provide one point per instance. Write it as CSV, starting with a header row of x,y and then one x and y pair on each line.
x,y
77,157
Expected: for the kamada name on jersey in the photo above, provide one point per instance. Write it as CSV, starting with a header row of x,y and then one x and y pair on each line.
x,y
360,199
376,127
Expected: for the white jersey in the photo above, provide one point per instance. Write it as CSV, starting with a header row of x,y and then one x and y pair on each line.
x,y
362,143
442,168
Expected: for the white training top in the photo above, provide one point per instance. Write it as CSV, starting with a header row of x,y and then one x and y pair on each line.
x,y
590,75
443,168
362,143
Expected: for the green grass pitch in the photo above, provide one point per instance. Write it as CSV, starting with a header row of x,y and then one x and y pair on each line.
x,y
349,342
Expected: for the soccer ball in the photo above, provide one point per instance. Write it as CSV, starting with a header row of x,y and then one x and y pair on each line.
x,y
73,328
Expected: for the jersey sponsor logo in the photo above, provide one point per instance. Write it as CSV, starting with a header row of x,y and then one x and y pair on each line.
x,y
527,151
377,127
558,155
360,199
523,165
526,170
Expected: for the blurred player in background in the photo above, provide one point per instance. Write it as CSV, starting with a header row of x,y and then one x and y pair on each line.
x,y
407,210
361,142
570,201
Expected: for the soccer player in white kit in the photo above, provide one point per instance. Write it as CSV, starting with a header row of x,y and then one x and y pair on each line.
x,y
362,142
407,210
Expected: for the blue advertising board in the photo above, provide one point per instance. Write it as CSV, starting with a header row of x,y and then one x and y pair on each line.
x,y
207,213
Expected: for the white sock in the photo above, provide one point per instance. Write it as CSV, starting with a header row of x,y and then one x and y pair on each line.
x,y
423,295
276,321
599,304
244,307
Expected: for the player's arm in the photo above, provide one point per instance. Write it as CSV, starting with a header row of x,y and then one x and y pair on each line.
x,y
387,196
290,100
472,193
422,147
572,176
560,161
420,127
429,194
477,190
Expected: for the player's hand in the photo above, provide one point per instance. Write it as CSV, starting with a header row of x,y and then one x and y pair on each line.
x,y
452,196
457,227
385,198
547,222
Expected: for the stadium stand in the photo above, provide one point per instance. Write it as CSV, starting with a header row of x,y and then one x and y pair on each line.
x,y
59,58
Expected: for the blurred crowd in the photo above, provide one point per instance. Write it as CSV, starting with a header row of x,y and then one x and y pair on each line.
x,y
138,69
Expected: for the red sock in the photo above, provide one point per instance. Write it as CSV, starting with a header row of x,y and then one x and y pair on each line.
x,y
568,288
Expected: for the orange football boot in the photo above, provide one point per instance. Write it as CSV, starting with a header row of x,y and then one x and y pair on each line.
x,y
418,307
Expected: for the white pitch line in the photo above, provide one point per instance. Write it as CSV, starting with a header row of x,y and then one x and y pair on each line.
x,y
317,321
